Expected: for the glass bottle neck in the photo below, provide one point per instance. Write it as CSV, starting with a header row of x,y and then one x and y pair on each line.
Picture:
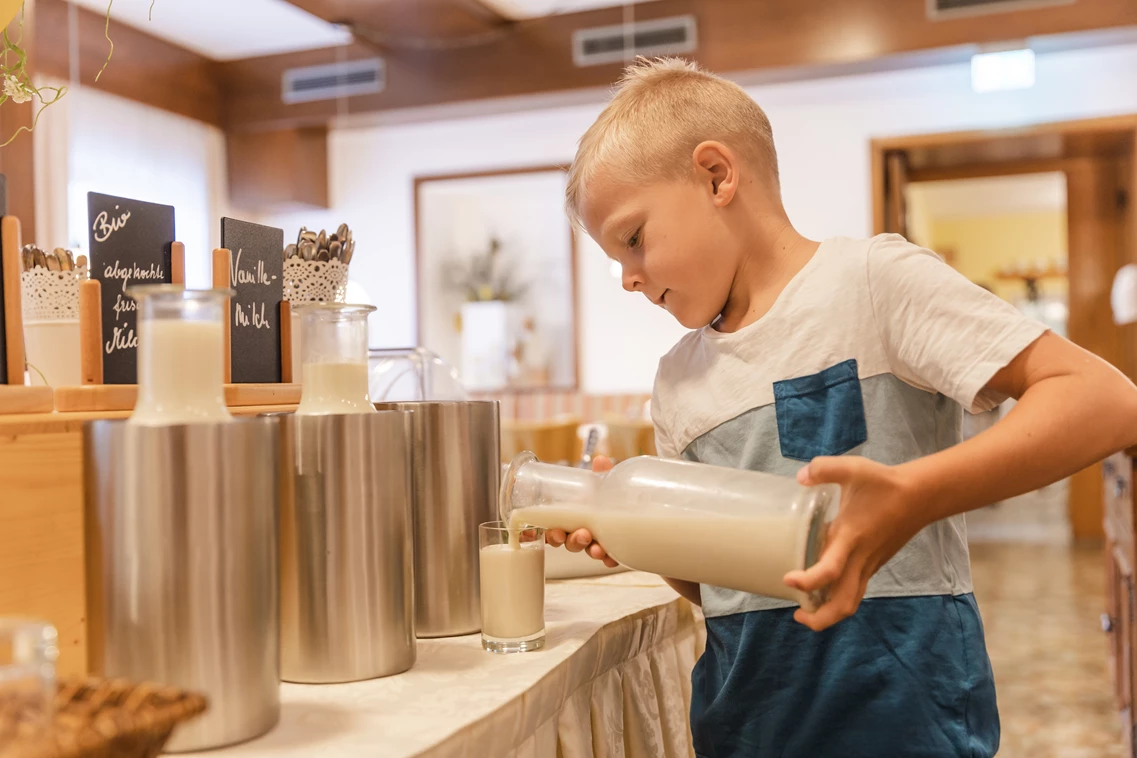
x,y
528,483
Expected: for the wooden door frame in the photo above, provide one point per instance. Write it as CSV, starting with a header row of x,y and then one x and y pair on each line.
x,y
1091,153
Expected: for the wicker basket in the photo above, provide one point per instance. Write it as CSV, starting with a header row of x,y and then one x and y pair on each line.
x,y
95,718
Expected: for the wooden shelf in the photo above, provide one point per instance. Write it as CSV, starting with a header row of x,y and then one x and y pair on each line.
x,y
19,424
101,398
23,399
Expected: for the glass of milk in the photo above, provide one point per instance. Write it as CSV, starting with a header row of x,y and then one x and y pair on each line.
x,y
723,527
512,569
334,361
181,355
28,651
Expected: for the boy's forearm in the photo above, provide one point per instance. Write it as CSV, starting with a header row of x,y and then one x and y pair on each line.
x,y
1058,427
689,590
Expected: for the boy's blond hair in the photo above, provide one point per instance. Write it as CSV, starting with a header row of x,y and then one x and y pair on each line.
x,y
663,108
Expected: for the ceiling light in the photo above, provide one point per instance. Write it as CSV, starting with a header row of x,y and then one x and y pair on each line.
x,y
1002,70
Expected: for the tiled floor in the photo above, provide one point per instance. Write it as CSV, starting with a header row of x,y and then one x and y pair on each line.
x,y
1041,607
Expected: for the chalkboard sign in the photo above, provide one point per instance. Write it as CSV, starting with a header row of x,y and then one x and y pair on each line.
x,y
3,325
256,274
130,244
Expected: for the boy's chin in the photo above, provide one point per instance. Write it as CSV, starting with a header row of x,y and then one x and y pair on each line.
x,y
692,320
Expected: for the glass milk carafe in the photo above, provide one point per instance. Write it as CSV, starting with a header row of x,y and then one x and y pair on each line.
x,y
725,527
181,361
334,362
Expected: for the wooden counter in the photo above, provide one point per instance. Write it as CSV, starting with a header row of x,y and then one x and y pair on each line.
x,y
41,522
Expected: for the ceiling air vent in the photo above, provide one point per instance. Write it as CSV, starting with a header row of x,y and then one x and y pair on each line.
x,y
949,8
327,82
614,44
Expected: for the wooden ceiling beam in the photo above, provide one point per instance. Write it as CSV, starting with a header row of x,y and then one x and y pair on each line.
x,y
143,68
434,19
534,56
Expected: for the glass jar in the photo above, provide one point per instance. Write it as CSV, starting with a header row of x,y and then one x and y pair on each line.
x,y
28,652
412,373
334,362
181,355
742,530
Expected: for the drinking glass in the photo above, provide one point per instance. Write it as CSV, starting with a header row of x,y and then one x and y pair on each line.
x,y
28,650
512,568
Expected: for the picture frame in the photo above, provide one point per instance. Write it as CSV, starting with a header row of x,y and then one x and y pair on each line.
x,y
496,277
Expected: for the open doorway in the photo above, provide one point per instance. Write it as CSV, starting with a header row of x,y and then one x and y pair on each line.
x,y
1096,159
1007,234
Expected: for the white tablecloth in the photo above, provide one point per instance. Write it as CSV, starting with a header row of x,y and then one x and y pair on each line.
x,y
614,680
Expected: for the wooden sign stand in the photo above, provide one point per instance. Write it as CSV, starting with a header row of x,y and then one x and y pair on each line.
x,y
285,393
15,396
94,396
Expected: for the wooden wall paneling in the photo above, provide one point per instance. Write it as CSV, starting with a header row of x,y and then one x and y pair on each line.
x,y
17,159
144,68
1097,247
535,56
285,168
41,538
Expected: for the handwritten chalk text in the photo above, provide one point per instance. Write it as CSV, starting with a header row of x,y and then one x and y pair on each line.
x,y
132,272
258,275
254,317
105,226
123,305
124,339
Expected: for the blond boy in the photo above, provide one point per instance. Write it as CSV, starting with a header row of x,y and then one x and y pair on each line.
x,y
847,361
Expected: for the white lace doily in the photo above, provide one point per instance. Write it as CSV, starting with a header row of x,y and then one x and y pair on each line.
x,y
314,281
51,295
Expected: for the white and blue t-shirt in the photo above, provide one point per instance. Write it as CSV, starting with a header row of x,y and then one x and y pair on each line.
x,y
874,348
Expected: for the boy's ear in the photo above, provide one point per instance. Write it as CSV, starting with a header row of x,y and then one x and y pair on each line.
x,y
717,166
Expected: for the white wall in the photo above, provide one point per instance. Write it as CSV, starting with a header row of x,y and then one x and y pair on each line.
x,y
120,147
822,129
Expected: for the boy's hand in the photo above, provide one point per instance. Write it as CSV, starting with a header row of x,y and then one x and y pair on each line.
x,y
876,519
581,539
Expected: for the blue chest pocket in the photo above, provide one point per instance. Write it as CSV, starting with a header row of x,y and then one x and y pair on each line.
x,y
821,414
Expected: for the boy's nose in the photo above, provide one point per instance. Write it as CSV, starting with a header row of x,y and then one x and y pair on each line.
x,y
632,280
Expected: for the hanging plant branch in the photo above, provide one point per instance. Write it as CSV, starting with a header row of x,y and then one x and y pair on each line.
x,y
107,34
18,87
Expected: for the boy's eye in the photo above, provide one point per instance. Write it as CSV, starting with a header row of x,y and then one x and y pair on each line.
x,y
634,240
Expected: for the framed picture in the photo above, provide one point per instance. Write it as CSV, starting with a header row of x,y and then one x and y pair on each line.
x,y
496,277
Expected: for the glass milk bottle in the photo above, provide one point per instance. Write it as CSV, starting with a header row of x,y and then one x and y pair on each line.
x,y
334,362
731,528
181,360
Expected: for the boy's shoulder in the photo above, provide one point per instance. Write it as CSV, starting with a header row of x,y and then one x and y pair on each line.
x,y
839,270
828,312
